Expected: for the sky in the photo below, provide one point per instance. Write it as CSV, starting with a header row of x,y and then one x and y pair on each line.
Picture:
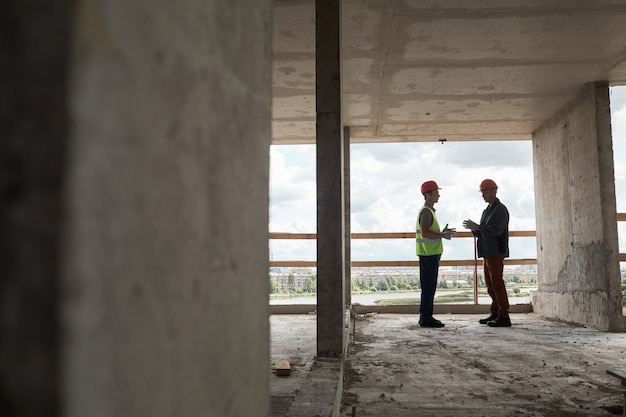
x,y
385,191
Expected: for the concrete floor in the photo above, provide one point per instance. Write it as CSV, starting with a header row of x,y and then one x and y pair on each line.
x,y
396,368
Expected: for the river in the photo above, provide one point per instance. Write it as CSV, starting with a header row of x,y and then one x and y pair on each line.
x,y
370,299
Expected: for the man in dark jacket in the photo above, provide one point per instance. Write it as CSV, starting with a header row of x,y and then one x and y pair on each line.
x,y
493,247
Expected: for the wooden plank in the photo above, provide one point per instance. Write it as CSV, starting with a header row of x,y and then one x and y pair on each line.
x,y
621,375
297,264
456,262
414,263
283,368
410,235
403,235
386,235
444,262
389,235
293,236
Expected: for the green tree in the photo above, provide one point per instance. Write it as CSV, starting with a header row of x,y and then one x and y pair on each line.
x,y
310,284
481,281
359,284
274,287
402,284
383,285
291,282
391,282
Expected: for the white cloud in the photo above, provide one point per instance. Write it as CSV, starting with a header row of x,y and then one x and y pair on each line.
x,y
618,99
292,188
385,193
618,127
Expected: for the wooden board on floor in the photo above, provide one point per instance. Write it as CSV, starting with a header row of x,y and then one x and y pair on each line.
x,y
283,368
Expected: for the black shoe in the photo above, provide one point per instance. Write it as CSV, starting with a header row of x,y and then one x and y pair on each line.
x,y
493,316
432,323
501,321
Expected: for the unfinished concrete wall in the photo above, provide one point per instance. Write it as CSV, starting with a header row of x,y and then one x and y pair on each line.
x,y
577,246
166,253
134,208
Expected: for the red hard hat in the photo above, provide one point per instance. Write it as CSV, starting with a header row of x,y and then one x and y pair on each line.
x,y
487,184
429,186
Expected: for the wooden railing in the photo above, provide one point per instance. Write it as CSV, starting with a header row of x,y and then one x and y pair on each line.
x,y
411,235
621,217
396,235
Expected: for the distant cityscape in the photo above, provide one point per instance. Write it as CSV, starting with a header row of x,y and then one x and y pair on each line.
x,y
290,279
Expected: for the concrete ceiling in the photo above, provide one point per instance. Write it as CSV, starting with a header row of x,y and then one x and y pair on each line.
x,y
424,70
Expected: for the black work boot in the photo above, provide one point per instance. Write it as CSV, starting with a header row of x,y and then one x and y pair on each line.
x,y
501,321
493,316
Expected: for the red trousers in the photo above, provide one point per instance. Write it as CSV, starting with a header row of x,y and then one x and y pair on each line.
x,y
494,269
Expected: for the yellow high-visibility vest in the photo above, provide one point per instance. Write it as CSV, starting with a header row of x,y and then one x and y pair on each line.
x,y
424,246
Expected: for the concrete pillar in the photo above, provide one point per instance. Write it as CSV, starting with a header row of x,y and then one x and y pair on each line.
x,y
134,208
577,245
347,232
330,197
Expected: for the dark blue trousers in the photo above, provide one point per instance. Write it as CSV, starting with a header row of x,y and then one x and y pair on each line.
x,y
429,270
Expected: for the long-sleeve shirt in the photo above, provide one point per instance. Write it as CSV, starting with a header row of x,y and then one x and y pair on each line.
x,y
493,233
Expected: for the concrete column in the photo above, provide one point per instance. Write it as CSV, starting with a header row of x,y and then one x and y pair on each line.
x,y
330,197
346,199
134,209
577,245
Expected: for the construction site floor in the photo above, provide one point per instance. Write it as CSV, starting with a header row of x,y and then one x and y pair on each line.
x,y
394,367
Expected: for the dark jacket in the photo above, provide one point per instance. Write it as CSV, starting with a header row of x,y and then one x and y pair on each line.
x,y
493,236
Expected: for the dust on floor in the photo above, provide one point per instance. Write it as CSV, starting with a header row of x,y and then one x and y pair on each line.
x,y
394,367
536,367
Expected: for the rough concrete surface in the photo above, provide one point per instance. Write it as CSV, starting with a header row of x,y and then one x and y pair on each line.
x,y
459,70
394,367
293,338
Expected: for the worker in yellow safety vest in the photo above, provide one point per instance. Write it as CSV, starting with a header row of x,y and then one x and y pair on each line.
x,y
428,247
